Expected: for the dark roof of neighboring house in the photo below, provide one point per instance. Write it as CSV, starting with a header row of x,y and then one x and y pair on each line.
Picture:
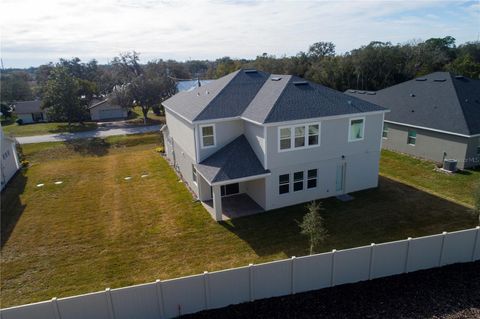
x,y
440,101
233,161
264,98
99,103
27,107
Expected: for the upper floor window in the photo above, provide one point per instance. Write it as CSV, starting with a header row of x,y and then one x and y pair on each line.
x,y
385,130
208,135
356,129
299,136
412,137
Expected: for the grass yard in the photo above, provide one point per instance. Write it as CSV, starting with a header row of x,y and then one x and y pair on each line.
x,y
420,174
46,128
98,230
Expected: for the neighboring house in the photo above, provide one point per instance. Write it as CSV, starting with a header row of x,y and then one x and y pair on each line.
x,y
105,110
9,161
435,117
277,139
188,85
30,111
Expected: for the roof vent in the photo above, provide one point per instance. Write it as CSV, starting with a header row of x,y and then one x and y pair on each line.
x,y
371,93
361,92
198,93
251,71
276,78
207,92
300,82
459,77
352,91
439,80
412,95
420,79
413,111
349,102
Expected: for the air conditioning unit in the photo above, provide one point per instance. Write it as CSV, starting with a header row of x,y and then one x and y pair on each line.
x,y
450,165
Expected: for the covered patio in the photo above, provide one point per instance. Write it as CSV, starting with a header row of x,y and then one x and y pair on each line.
x,y
235,206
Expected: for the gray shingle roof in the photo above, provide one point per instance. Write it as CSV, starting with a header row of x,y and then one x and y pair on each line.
x,y
438,101
264,98
26,107
234,160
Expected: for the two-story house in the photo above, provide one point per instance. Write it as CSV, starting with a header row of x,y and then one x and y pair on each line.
x,y
278,139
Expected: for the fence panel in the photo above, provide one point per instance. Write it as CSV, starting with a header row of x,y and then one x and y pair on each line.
x,y
424,252
312,272
458,246
389,259
41,310
136,302
92,306
184,295
272,279
229,287
351,265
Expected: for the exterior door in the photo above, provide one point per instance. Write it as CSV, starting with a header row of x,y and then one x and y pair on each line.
x,y
340,180
230,189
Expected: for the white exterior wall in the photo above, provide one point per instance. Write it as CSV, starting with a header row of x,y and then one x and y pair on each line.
x,y
9,160
254,134
256,189
225,132
361,159
28,119
181,132
95,113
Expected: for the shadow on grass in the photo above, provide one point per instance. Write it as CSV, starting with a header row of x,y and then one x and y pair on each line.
x,y
12,207
393,211
90,146
74,127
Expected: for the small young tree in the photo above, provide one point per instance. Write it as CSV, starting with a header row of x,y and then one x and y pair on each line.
x,y
313,226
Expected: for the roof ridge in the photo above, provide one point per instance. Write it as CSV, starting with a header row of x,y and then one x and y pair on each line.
x,y
278,98
455,89
218,93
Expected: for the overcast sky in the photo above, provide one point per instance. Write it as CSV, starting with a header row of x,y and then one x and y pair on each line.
x,y
38,31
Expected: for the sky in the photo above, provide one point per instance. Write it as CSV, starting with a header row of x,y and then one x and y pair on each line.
x,y
33,32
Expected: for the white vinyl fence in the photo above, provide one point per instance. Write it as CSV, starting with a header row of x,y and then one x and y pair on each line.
x,y
170,298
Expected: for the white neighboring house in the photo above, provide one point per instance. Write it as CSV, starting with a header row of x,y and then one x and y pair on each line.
x,y
9,161
273,140
30,111
105,110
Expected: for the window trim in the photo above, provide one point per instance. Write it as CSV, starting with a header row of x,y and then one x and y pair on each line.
x,y
283,184
292,136
214,136
385,130
295,181
350,128
411,137
312,178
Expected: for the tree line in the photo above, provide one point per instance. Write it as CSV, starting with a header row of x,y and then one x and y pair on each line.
x,y
68,87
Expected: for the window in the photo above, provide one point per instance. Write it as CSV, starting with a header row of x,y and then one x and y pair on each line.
x,y
385,130
284,184
312,178
299,136
194,174
297,181
313,131
412,137
356,130
208,136
230,189
285,138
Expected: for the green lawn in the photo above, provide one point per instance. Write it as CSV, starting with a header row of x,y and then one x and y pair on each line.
x,y
46,128
98,230
421,174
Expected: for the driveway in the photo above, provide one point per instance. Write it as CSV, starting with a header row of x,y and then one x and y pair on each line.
x,y
100,132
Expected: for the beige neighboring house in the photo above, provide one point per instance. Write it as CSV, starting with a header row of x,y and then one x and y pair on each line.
x,y
30,111
9,161
104,110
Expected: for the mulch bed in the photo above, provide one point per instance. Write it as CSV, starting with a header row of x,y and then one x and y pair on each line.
x,y
448,292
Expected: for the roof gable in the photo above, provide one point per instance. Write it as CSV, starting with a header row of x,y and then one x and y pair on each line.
x,y
25,107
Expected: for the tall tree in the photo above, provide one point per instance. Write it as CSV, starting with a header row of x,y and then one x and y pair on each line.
x,y
15,87
321,49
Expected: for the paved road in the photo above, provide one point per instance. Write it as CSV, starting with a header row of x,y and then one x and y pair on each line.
x,y
100,132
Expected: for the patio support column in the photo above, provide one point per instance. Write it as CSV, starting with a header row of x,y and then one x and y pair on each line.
x,y
217,202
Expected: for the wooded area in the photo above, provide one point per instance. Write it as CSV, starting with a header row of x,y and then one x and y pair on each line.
x,y
370,67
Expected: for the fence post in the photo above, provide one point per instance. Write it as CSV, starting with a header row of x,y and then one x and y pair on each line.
x,y
56,310
332,272
111,311
475,242
160,302
405,268
252,281
372,256
292,288
206,289
444,234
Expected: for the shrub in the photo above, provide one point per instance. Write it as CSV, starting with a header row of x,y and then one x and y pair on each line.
x,y
19,121
160,149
